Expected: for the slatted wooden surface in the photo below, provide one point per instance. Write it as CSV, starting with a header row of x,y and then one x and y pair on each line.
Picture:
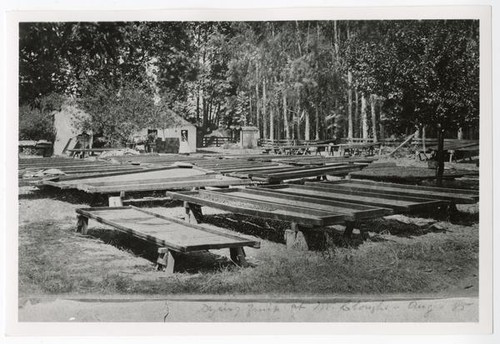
x,y
230,165
405,174
163,231
307,211
398,203
148,181
71,166
460,196
304,172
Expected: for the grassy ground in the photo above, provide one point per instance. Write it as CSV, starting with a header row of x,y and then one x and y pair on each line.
x,y
398,258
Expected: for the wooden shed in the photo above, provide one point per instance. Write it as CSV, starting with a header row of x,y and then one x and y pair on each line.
x,y
181,130
249,137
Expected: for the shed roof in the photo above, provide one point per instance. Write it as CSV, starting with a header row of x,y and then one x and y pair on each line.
x,y
250,128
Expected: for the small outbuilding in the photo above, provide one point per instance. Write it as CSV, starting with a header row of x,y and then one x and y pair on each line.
x,y
249,137
180,131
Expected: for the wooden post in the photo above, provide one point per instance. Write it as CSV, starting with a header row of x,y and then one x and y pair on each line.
x,y
238,255
82,224
165,260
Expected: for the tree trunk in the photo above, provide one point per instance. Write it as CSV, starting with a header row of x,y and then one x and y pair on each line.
x,y
356,115
336,106
285,118
350,128
297,118
423,138
440,157
198,105
204,112
316,136
364,117
264,110
381,125
257,103
307,128
373,102
271,122
249,120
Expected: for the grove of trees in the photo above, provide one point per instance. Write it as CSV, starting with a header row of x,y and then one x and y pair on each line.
x,y
292,79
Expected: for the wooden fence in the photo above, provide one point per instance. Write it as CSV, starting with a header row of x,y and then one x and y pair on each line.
x,y
215,141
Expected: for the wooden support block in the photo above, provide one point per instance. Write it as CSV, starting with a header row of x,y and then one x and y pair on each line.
x,y
82,224
295,239
165,260
115,201
237,255
194,214
349,227
451,211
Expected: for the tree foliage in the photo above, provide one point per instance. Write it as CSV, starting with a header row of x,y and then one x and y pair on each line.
x,y
293,79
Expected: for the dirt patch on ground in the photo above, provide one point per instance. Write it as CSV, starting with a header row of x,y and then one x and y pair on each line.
x,y
396,258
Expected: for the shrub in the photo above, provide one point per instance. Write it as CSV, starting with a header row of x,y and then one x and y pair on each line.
x,y
35,124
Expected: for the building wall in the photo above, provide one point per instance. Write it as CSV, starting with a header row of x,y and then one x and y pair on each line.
x,y
176,132
66,127
249,137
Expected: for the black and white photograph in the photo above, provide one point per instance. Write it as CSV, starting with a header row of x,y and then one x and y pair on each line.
x,y
286,169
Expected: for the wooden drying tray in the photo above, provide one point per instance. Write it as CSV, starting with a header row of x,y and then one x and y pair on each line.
x,y
282,212
157,184
168,233
398,203
302,213
360,187
350,211
337,169
404,174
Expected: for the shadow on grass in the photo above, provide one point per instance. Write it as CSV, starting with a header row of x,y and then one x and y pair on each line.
x,y
274,231
71,196
456,217
464,219
193,262
393,227
75,196
266,229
